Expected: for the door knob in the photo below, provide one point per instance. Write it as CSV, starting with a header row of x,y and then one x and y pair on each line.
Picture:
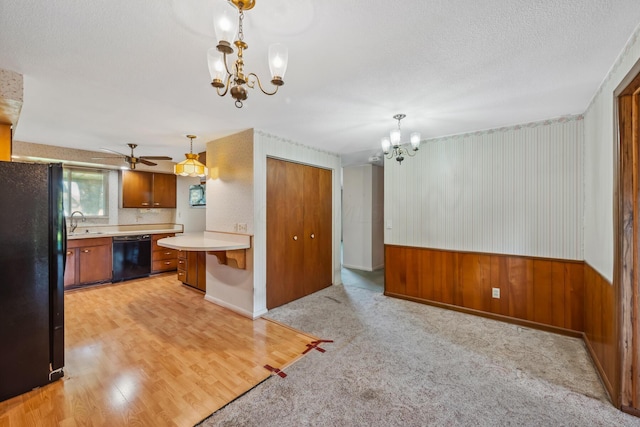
x,y
295,237
313,236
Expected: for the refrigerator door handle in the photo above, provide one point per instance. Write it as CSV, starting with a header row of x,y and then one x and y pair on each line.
x,y
64,244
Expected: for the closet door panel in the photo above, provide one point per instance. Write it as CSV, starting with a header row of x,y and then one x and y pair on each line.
x,y
285,243
317,229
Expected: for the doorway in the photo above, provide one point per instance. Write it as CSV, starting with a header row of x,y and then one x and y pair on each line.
x,y
627,230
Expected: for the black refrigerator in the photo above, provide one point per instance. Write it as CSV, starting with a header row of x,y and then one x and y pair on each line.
x,y
32,257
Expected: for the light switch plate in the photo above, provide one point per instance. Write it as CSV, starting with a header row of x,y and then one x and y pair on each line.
x,y
495,293
389,224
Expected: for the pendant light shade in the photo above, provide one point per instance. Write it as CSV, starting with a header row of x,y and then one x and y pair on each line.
x,y
190,166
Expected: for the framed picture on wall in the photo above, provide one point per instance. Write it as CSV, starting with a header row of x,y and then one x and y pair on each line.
x,y
197,196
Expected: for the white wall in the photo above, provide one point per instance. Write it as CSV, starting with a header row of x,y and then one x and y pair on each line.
x,y
601,139
192,218
229,202
515,190
238,178
362,214
266,145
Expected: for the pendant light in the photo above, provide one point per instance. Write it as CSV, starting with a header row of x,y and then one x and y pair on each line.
x,y
190,166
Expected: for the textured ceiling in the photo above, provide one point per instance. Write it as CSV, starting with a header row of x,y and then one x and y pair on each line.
x,y
106,72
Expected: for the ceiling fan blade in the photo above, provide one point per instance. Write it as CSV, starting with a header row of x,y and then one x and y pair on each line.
x,y
113,151
146,162
156,157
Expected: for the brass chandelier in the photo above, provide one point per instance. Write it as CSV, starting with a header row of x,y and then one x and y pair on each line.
x,y
392,145
232,78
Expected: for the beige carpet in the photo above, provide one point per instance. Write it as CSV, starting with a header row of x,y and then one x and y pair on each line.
x,y
398,363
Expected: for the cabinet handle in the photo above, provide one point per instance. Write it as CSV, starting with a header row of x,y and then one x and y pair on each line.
x,y
69,252
313,236
167,263
295,237
86,251
144,204
167,253
156,204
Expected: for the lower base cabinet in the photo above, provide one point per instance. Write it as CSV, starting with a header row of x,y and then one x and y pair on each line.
x,y
162,259
192,269
88,261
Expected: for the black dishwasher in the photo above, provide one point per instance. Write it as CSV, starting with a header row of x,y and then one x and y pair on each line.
x,y
131,257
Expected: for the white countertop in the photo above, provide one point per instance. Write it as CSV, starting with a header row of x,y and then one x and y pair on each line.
x,y
92,232
207,241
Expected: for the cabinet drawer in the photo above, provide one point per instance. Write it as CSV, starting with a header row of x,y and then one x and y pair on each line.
x,y
182,275
165,265
165,253
156,237
182,254
182,264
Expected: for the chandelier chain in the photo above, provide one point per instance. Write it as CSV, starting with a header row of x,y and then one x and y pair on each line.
x,y
240,32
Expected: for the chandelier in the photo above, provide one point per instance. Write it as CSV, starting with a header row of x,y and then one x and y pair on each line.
x,y
232,78
392,145
190,166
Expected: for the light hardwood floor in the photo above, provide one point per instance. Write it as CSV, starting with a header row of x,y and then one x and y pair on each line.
x,y
151,352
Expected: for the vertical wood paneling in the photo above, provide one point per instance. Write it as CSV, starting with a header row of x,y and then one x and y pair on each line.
x,y
601,329
514,191
545,291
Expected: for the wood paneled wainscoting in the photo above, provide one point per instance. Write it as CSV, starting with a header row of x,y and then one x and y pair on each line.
x,y
542,293
601,330
564,296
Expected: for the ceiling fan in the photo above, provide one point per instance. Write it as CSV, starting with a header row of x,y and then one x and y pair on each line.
x,y
132,160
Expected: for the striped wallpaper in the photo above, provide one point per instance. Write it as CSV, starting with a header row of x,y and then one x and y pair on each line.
x,y
512,191
601,140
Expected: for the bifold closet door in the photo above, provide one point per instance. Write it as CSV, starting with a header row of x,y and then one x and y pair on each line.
x,y
299,231
317,229
285,245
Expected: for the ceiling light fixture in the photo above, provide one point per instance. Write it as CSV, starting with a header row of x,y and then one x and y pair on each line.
x,y
225,77
392,145
191,166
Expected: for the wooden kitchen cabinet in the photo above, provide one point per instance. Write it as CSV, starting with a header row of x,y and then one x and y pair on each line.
x,y
192,269
299,231
162,259
88,261
148,190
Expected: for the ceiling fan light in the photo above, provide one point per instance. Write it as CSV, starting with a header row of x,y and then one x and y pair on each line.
x,y
278,59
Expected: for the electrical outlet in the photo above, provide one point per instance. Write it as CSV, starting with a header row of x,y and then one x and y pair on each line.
x,y
242,227
495,293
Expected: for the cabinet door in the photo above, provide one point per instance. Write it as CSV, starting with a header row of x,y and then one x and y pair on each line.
x,y
136,189
95,263
164,190
70,268
317,229
201,278
285,232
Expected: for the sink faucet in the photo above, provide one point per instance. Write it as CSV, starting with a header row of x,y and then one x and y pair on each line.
x,y
73,222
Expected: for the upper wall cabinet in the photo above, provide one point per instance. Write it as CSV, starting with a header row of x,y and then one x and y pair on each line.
x,y
148,190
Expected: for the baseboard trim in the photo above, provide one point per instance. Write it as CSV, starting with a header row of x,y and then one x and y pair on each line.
x,y
357,267
601,373
500,317
233,308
